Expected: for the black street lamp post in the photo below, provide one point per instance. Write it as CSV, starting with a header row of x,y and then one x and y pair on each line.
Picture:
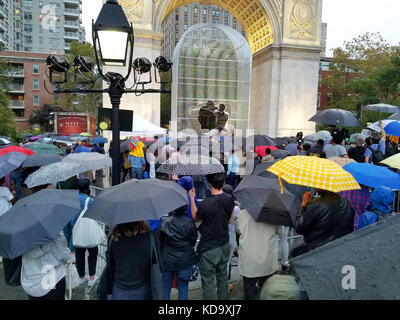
x,y
113,40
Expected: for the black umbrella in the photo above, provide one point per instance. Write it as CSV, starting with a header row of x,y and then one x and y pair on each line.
x,y
336,117
260,141
36,220
229,144
382,107
296,190
124,146
137,200
265,202
368,258
280,154
40,159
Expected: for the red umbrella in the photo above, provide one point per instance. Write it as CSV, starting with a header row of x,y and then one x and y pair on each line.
x,y
4,151
262,150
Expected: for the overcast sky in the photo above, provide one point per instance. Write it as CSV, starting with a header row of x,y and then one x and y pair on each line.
x,y
346,19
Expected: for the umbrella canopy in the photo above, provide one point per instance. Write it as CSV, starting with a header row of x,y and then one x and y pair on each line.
x,y
4,151
40,159
36,220
393,129
193,165
26,135
260,141
296,190
4,141
98,140
372,251
393,161
280,154
292,148
93,161
10,162
336,117
342,161
124,146
137,200
264,201
375,125
396,116
43,148
373,176
314,172
262,151
55,172
320,135
382,107
86,134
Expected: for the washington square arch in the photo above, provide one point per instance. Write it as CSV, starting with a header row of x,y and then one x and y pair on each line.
x,y
285,40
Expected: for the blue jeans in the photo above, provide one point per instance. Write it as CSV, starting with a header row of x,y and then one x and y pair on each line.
x,y
233,180
183,286
142,293
137,173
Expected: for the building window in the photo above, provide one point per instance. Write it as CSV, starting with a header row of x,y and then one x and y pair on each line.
x,y
196,10
55,4
40,29
177,26
204,12
185,26
35,100
217,13
28,39
35,69
204,19
177,17
40,40
330,95
28,16
28,27
28,49
27,3
54,40
19,113
186,9
319,100
35,84
226,14
40,4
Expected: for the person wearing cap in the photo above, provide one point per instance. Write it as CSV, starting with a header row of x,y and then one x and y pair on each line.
x,y
80,253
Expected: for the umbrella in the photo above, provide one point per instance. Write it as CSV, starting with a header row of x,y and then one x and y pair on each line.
x,y
26,135
124,146
99,140
375,125
296,190
336,117
4,141
264,201
193,165
262,151
314,172
194,150
292,148
36,220
93,161
82,149
43,148
40,159
86,134
280,154
320,135
10,162
393,161
281,141
4,151
137,200
260,141
373,255
342,161
382,107
373,176
55,172
228,144
396,116
393,129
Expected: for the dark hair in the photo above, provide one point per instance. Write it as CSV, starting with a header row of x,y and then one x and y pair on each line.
x,y
130,229
228,189
268,151
217,180
2,181
369,141
337,139
320,142
180,211
306,147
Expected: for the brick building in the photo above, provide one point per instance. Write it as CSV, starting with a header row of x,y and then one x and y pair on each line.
x,y
25,87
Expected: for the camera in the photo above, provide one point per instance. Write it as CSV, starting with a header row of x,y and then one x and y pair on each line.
x,y
299,138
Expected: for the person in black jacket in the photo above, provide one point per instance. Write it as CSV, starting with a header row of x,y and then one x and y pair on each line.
x,y
178,236
323,220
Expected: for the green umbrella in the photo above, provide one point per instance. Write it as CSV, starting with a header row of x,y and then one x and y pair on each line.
x,y
43,148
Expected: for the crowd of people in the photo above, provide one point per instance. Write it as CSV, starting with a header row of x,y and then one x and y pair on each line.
x,y
202,237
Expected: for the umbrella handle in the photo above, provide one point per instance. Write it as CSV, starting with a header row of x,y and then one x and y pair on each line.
x,y
280,183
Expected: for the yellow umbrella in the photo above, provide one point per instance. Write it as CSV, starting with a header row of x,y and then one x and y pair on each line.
x,y
393,161
315,173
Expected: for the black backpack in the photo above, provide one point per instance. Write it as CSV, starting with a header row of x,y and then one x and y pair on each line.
x,y
12,271
391,150
377,155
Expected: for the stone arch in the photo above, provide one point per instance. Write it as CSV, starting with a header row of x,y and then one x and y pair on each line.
x,y
259,18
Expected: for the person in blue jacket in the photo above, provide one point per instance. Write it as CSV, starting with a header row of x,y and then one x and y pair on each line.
x,y
381,202
187,184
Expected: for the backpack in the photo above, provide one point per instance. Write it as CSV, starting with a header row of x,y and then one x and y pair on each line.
x,y
377,155
12,271
391,150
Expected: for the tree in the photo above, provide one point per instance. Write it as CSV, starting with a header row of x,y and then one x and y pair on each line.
x,y
8,126
42,117
89,102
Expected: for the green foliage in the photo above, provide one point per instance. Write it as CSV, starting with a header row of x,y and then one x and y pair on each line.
x,y
42,117
8,126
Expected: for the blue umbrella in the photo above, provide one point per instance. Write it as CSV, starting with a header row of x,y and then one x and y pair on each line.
x,y
292,148
36,220
98,140
373,176
393,128
11,161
